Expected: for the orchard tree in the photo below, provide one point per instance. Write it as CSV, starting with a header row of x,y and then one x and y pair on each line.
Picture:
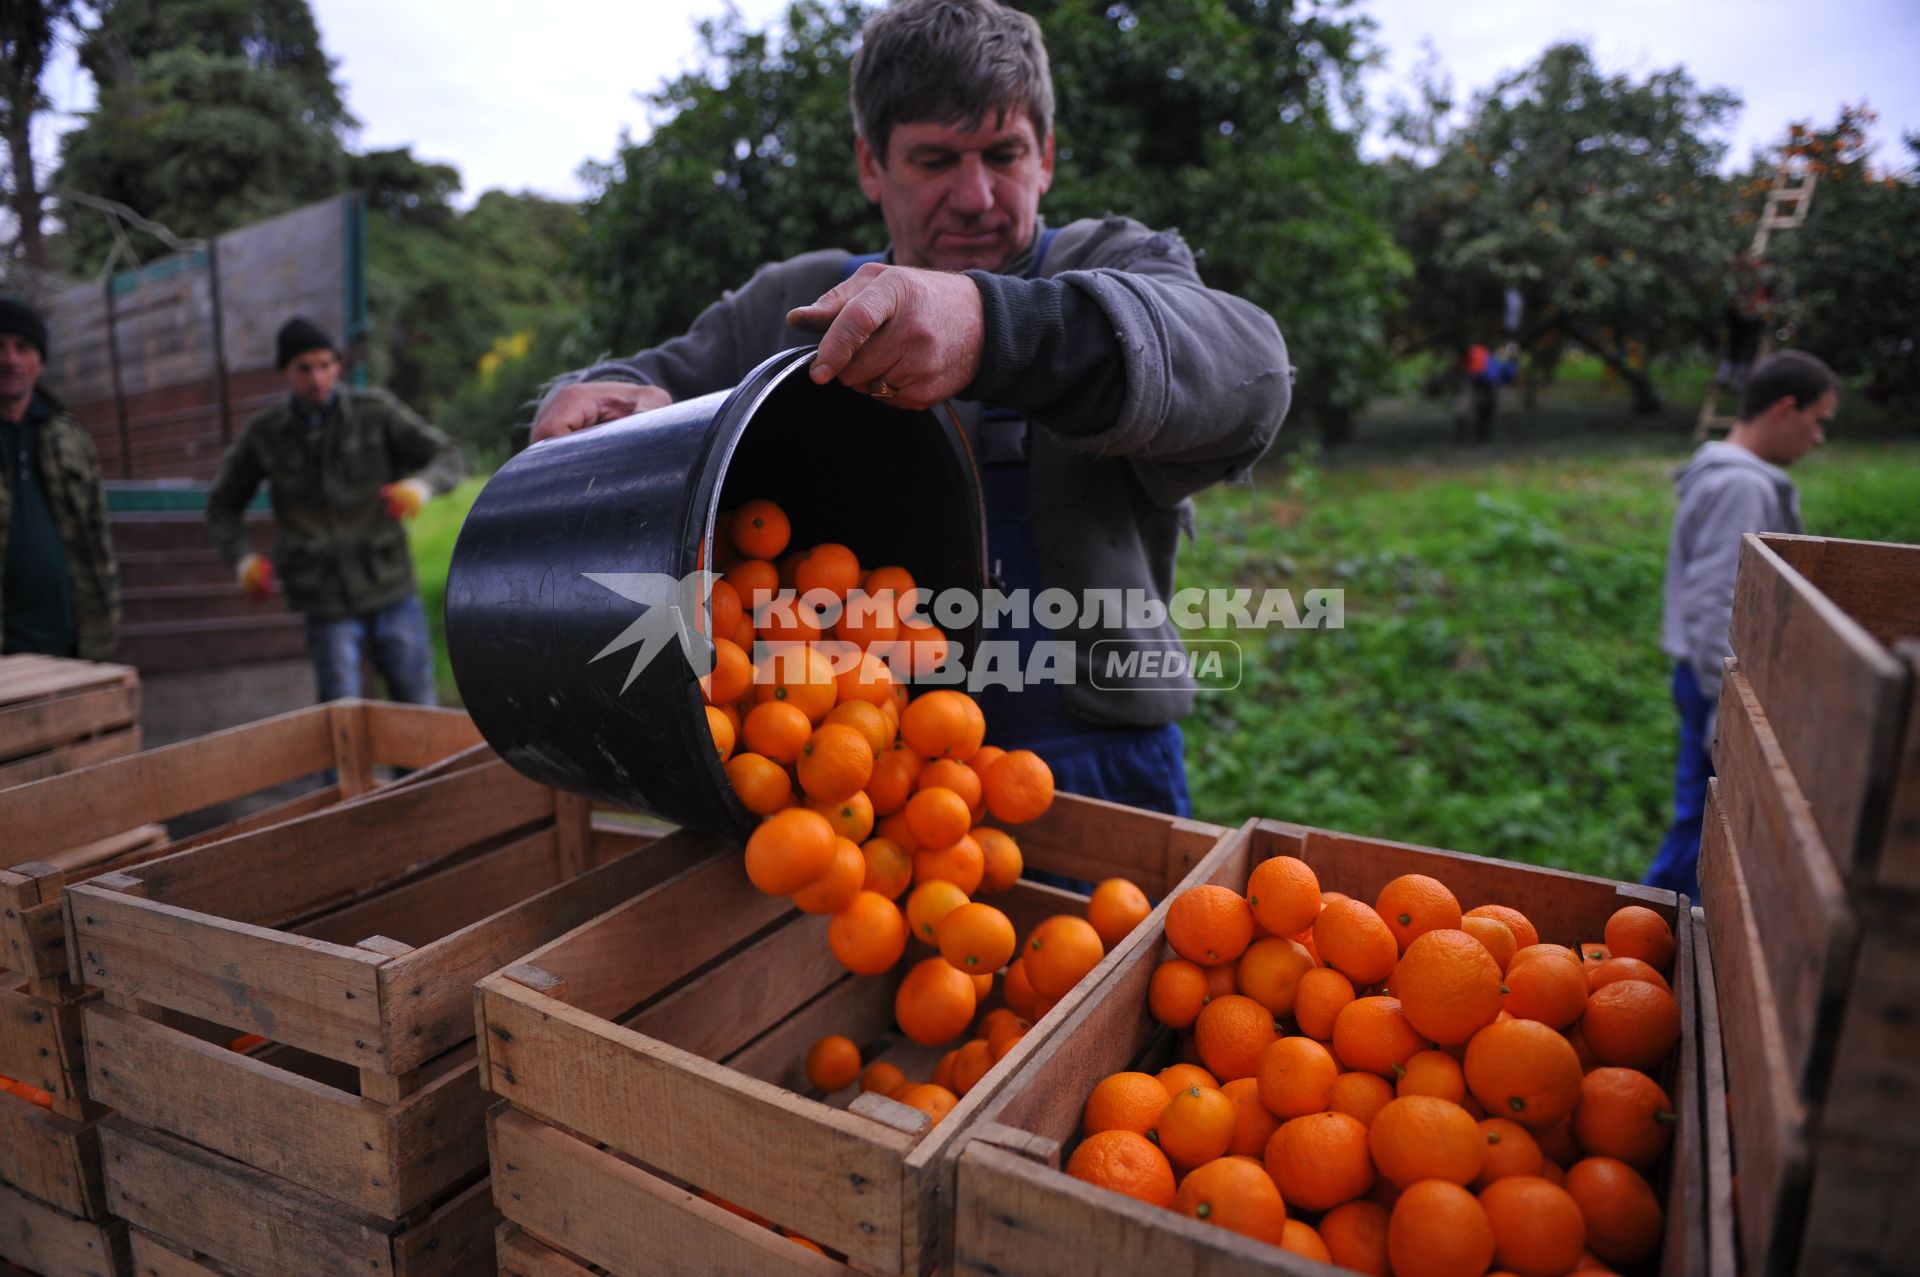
x,y
30,31
1596,195
1848,272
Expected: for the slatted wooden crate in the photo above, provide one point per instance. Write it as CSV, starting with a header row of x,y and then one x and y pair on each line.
x,y
57,715
350,939
101,818
1018,1214
1810,869
633,1073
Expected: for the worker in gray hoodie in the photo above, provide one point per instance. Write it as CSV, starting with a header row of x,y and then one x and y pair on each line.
x,y
1729,488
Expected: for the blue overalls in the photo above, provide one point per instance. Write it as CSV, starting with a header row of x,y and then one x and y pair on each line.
x,y
1138,766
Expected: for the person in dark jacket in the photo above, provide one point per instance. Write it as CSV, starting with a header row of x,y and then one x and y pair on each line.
x,y
345,466
59,581
1729,488
1101,382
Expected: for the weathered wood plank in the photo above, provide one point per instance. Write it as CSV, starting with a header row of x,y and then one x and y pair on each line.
x,y
612,1213
1769,1120
347,851
55,814
416,736
307,993
831,1175
241,1217
1716,1139
1832,691
427,996
43,1240
523,1255
49,1157
1793,883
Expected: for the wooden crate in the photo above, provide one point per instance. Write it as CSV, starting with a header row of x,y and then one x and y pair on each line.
x,y
1018,1213
1828,633
47,1242
55,827
57,715
350,939
1810,868
633,1074
1818,996
1715,1130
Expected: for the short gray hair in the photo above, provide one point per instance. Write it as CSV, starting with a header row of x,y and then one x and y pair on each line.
x,y
948,62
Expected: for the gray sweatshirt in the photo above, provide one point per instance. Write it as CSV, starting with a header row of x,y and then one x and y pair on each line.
x,y
1724,491
1148,386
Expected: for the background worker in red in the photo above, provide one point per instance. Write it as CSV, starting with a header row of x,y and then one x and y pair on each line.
x,y
59,581
345,465
1103,383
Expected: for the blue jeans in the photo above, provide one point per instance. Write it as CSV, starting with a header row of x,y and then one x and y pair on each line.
x,y
1676,866
1139,766
396,636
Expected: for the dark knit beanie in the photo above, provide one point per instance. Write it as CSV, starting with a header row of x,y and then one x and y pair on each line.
x,y
18,318
299,335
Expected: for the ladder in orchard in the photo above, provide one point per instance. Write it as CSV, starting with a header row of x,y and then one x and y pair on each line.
x,y
1788,201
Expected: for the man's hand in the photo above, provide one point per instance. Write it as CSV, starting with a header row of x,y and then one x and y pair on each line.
x,y
405,498
909,336
589,403
255,575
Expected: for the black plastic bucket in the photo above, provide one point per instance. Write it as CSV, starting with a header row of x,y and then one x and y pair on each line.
x,y
529,628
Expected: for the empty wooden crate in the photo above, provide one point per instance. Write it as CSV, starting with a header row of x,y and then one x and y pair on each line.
x,y
286,1029
57,715
640,1071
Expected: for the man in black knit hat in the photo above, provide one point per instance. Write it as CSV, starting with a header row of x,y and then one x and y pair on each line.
x,y
345,466
59,582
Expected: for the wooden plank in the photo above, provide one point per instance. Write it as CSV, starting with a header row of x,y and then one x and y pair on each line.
x,y
1769,1120
440,904
159,784
112,852
1089,839
760,987
426,998
1016,1218
277,814
43,1240
1722,1260
344,852
31,676
1799,902
631,953
383,1161
415,736
307,993
153,1257
457,1239
241,1217
1874,1094
1860,1216
1684,1240
1898,862
523,1255
1871,581
40,1044
831,1175
51,1158
65,759
1834,695
31,726
352,753
611,1212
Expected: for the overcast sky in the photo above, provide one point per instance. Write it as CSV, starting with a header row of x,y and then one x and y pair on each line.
x,y
519,99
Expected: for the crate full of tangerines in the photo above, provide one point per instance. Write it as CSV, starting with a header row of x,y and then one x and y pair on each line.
x,y
761,1064
1387,1058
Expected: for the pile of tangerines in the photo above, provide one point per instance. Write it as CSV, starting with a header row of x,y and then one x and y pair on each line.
x,y
869,797
1399,1088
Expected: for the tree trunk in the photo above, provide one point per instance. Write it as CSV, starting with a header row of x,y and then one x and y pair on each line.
x,y
25,198
1646,398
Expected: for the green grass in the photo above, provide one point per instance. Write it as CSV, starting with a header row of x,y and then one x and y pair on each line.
x,y
431,536
1498,686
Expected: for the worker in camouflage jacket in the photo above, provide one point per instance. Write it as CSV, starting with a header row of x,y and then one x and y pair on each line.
x,y
59,583
345,466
